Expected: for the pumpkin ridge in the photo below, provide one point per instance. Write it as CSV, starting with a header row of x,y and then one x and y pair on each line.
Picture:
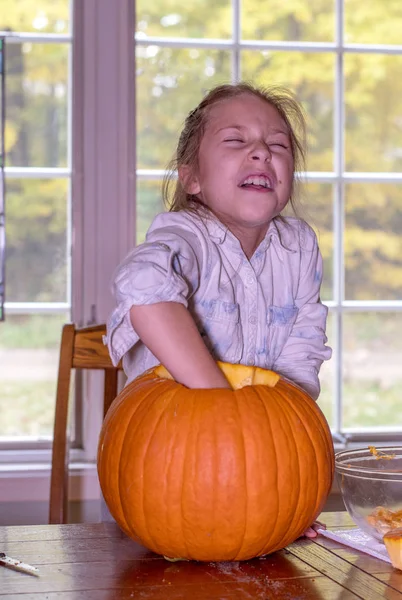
x,y
168,479
267,412
327,437
319,422
262,403
307,415
138,424
288,407
328,453
240,548
168,399
307,411
172,405
285,408
191,425
109,422
325,433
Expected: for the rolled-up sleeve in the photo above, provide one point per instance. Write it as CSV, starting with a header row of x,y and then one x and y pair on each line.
x,y
305,349
156,271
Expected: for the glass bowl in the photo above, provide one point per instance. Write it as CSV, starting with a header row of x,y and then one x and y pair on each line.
x,y
370,480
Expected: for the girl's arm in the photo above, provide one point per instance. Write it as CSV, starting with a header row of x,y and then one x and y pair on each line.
x,y
170,333
305,349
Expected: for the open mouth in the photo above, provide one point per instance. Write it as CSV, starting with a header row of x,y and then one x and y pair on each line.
x,y
257,182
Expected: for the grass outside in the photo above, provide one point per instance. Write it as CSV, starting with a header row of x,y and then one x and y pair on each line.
x,y
32,331
27,408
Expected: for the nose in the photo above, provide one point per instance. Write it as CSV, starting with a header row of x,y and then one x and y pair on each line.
x,y
261,151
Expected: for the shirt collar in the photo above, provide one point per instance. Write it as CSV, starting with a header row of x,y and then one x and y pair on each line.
x,y
279,232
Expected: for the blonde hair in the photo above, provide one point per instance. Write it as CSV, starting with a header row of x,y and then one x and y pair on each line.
x,y
174,195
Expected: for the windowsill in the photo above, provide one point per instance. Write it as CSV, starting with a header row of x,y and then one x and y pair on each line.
x,y
16,482
32,469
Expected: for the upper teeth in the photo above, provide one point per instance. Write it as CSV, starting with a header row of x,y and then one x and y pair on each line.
x,y
257,180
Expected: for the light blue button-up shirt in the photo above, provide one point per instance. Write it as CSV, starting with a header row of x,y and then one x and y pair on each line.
x,y
265,311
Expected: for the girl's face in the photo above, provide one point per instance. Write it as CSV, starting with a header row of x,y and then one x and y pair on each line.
x,y
245,164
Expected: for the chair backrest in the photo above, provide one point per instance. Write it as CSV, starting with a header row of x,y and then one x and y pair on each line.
x,y
80,349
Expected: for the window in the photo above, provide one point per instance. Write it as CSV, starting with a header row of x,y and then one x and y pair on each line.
x,y
37,171
343,60
65,232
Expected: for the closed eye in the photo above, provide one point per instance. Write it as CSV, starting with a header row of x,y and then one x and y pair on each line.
x,y
280,145
234,140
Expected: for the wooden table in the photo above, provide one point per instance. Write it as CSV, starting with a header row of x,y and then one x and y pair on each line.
x,y
96,561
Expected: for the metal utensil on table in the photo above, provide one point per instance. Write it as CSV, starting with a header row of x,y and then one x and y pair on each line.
x,y
18,565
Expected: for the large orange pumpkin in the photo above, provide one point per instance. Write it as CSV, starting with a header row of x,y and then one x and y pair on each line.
x,y
215,474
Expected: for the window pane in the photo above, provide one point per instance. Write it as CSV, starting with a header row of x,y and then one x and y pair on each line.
x,y
36,105
149,204
373,243
374,22
196,19
36,231
327,374
170,83
29,352
372,374
373,95
310,77
40,16
290,21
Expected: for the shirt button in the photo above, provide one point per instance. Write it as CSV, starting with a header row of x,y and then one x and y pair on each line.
x,y
250,361
250,280
253,319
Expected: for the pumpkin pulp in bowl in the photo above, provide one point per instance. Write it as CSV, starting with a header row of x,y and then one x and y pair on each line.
x,y
370,480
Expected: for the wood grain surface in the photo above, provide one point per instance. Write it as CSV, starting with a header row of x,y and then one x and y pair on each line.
x,y
97,561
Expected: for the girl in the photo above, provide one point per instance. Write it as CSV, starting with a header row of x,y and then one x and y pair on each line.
x,y
223,275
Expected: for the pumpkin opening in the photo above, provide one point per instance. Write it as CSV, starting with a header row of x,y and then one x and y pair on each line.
x,y
237,375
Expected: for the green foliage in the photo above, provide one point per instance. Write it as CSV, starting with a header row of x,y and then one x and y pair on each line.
x,y
36,240
36,105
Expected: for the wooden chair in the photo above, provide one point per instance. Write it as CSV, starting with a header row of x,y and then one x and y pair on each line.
x,y
80,349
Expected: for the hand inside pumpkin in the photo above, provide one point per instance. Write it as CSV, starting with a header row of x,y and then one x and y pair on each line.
x,y
311,532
